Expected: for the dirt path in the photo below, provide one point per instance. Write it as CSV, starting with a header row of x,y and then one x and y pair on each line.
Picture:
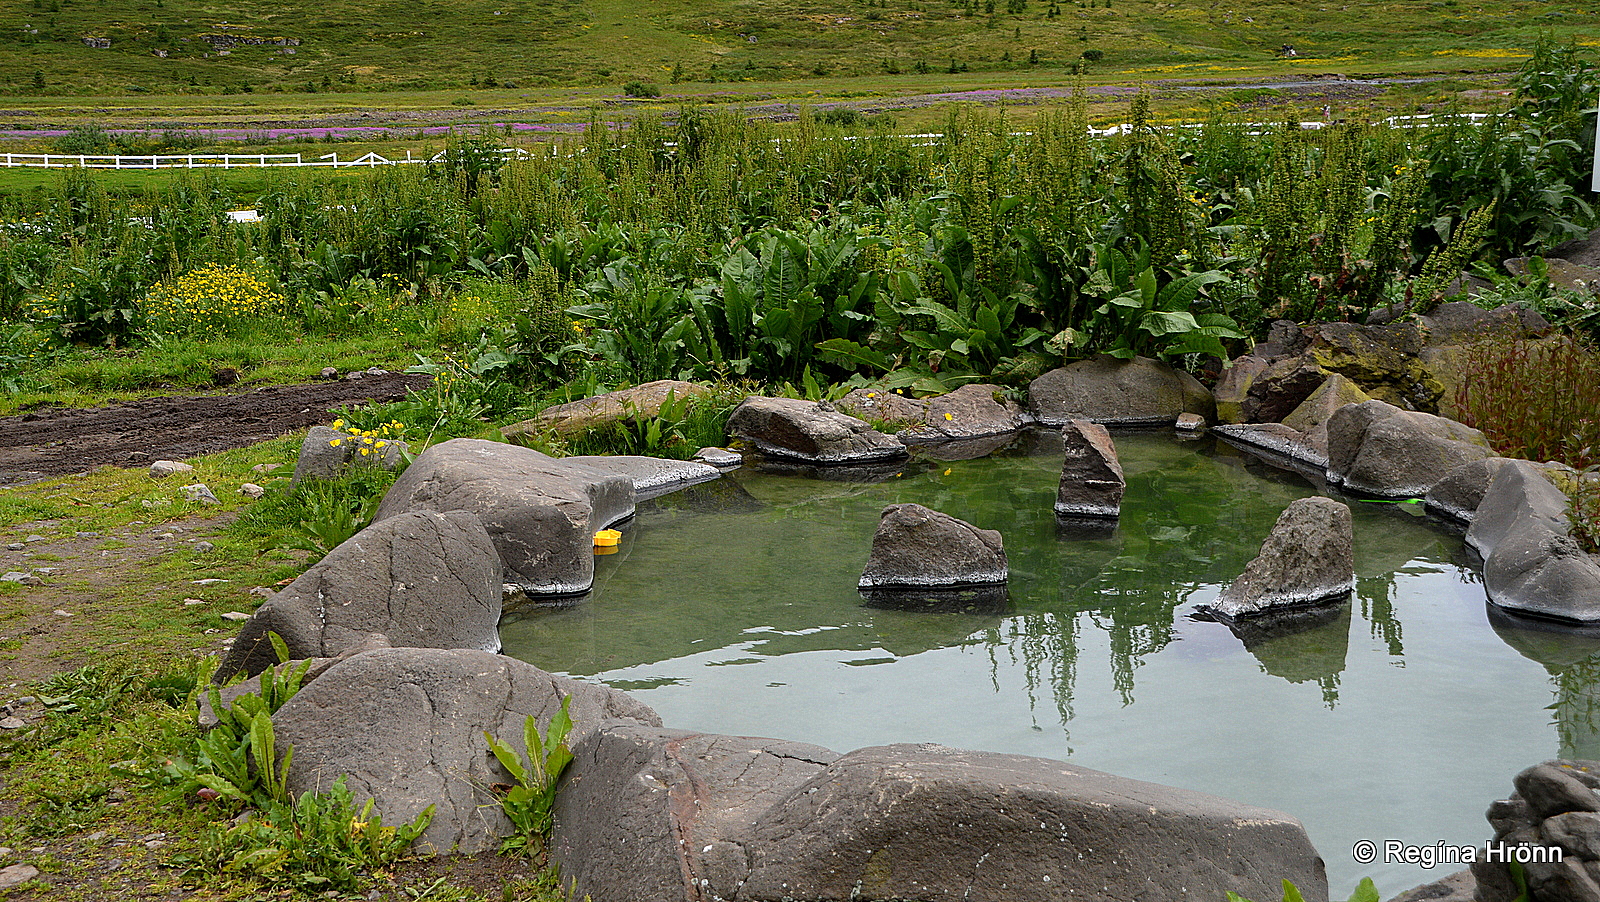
x,y
58,442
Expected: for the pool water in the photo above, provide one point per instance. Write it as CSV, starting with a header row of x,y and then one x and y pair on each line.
x,y
732,607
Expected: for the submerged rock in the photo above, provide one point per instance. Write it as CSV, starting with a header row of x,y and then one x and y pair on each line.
x,y
810,432
1092,482
1306,559
916,547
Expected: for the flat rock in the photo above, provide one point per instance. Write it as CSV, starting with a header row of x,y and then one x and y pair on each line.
x,y
1092,481
327,453
364,717
15,875
1307,558
810,432
971,411
1106,390
652,476
879,823
721,458
421,579
1277,438
540,512
1377,449
915,547
1189,422
161,469
199,493
641,401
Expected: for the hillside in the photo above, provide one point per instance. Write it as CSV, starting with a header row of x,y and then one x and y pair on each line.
x,y
206,47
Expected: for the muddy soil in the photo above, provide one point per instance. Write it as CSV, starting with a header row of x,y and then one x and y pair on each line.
x,y
52,442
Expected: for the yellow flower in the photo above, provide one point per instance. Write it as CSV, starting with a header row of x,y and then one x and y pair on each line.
x,y
947,472
336,443
949,416
365,451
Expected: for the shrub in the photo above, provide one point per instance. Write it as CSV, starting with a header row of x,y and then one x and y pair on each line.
x,y
640,89
1538,400
1094,55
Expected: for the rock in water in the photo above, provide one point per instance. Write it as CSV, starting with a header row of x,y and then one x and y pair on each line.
x,y
920,548
1091,477
1306,559
810,432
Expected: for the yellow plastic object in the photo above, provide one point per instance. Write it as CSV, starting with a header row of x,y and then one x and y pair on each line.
x,y
605,549
607,538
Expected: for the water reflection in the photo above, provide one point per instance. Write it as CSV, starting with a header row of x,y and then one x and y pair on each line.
x,y
1572,658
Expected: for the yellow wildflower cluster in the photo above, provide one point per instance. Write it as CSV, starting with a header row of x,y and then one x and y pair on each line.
x,y
211,297
368,441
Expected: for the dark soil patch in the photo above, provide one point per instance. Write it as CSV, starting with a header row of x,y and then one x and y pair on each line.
x,y
57,442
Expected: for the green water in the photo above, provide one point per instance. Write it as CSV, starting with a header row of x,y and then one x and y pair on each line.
x,y
732,608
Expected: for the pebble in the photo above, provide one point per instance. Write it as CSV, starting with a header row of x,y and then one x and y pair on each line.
x,y
191,602
330,372
235,616
17,546
353,377
26,700
13,576
96,836
161,469
211,631
204,547
262,592
211,581
199,493
251,490
264,468
164,535
60,613
16,875
5,852
45,571
87,535
34,539
12,723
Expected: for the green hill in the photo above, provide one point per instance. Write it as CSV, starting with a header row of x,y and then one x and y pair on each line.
x,y
205,46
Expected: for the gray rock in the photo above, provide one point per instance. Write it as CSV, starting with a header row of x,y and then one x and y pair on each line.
x,y
251,490
1092,482
922,548
1461,322
161,469
327,453
1277,438
1550,790
932,823
12,723
1458,887
17,546
652,476
364,717
1378,449
1190,422
1281,388
810,432
329,372
1576,832
721,458
613,407
13,576
1312,416
664,814
541,513
1306,559
1233,388
1531,564
1107,390
419,579
1459,493
15,875
199,493
1561,273
1584,251
971,411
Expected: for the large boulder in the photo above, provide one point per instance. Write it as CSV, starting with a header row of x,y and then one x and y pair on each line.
x,y
421,579
1306,559
1104,389
1383,360
1459,493
1232,390
810,432
1531,563
577,417
1281,388
1313,414
1092,481
541,512
1555,811
971,411
666,815
404,727
916,547
327,453
652,476
1378,449
1461,322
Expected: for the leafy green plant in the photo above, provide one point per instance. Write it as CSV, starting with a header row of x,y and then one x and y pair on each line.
x,y
330,512
1583,509
530,801
1140,316
1366,891
237,759
1535,399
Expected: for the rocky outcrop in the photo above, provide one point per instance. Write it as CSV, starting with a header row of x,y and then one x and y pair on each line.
x,y
1555,811
405,727
809,432
421,579
971,411
1106,390
1306,559
1092,481
577,417
650,814
919,548
541,512
328,453
1378,449
652,476
1531,565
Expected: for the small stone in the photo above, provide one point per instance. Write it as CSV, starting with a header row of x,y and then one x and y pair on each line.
x,y
164,535
353,377
86,535
1190,422
199,494
16,546
16,875
251,490
721,458
330,372
262,592
264,468
236,616
137,457
26,700
32,539
161,469
12,723
204,547
377,371
13,576
30,580
45,571
210,631
60,613
209,581
192,602
96,836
